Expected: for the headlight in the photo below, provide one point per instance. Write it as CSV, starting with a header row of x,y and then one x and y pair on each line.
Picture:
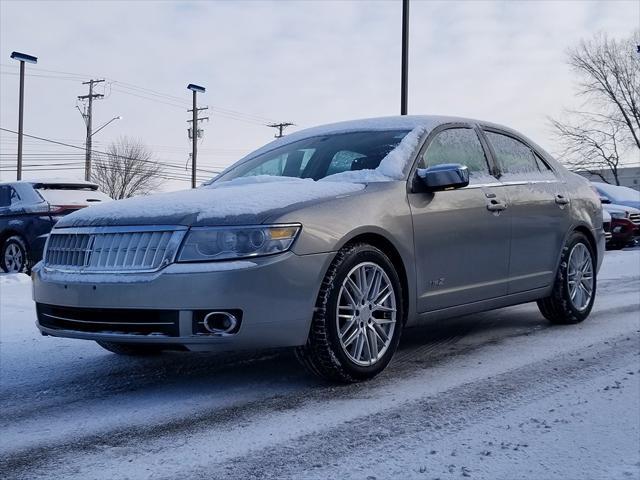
x,y
618,214
223,243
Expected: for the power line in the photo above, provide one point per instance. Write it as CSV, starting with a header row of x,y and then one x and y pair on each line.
x,y
172,99
165,164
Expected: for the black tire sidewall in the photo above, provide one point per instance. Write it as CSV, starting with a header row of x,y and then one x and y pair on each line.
x,y
14,240
364,253
576,238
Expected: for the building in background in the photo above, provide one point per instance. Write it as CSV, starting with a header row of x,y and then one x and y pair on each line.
x,y
628,176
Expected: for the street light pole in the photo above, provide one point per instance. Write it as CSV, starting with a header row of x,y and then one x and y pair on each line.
x,y
404,82
108,123
22,58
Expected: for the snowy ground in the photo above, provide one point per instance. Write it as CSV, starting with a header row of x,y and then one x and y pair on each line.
x,y
500,395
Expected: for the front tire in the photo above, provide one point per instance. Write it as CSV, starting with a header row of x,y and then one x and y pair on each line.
x,y
131,349
13,255
574,290
358,317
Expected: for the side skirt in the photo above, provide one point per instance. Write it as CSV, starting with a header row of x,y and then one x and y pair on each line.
x,y
482,306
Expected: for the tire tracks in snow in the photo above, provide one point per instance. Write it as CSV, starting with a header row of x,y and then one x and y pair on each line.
x,y
439,415
28,462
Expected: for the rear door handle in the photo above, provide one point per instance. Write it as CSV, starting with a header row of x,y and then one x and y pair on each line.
x,y
496,206
562,200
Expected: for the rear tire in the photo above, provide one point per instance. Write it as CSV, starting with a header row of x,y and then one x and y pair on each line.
x,y
574,290
131,349
13,255
355,331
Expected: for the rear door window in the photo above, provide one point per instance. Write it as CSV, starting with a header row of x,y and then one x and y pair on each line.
x,y
516,160
8,196
458,145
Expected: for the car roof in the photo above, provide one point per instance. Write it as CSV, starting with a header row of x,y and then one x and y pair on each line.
x,y
60,184
397,122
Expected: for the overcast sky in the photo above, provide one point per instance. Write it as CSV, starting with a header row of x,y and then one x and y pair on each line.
x,y
301,61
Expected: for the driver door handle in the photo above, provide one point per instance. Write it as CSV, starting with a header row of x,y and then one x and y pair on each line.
x,y
496,206
562,200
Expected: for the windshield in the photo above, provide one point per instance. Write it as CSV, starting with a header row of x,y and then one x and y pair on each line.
x,y
319,157
618,194
68,196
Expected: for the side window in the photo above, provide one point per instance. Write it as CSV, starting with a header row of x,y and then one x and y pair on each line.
x,y
8,196
513,156
5,196
457,145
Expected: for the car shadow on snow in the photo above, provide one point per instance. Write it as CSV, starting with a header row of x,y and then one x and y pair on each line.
x,y
267,373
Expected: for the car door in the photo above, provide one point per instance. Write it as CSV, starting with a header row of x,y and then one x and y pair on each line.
x,y
538,202
461,236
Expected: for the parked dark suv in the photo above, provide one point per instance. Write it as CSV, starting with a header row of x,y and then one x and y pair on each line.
x,y
28,212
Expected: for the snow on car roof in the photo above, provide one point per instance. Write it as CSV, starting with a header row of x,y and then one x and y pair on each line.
x,y
400,122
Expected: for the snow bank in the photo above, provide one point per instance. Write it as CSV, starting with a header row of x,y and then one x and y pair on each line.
x,y
13,279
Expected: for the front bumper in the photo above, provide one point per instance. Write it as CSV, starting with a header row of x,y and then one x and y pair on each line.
x,y
623,231
276,296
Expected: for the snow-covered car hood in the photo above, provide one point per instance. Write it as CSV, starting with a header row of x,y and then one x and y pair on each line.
x,y
612,207
241,201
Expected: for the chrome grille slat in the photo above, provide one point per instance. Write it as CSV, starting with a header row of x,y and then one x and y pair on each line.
x,y
112,249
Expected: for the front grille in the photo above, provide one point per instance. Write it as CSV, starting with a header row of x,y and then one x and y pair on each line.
x,y
112,249
606,226
114,321
635,218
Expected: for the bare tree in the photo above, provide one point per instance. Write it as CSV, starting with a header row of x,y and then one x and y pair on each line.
x,y
600,138
126,169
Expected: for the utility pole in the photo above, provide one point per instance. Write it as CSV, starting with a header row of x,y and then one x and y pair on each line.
x,y
194,129
21,57
87,115
404,82
280,127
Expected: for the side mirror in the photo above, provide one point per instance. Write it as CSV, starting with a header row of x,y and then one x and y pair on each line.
x,y
604,200
446,176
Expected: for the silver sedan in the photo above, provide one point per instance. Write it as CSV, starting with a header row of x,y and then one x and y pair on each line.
x,y
332,240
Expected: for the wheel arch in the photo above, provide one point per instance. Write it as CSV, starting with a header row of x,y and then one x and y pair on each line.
x,y
11,232
389,249
589,234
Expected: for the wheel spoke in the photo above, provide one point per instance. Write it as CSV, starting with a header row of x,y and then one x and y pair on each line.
x,y
374,288
348,326
362,281
356,291
351,338
379,331
352,301
367,343
373,342
359,346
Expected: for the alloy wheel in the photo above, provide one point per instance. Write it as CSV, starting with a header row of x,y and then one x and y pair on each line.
x,y
580,278
366,313
13,258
